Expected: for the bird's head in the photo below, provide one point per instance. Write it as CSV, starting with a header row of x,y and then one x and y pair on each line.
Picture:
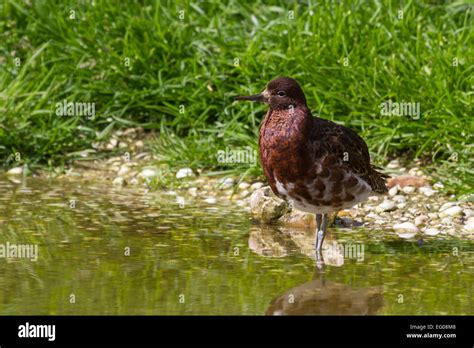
x,y
280,93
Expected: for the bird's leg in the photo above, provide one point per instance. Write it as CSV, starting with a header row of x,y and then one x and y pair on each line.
x,y
321,225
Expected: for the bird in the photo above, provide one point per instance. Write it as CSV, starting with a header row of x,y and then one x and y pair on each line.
x,y
318,166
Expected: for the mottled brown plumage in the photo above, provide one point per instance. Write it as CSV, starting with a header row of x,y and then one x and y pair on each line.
x,y
319,165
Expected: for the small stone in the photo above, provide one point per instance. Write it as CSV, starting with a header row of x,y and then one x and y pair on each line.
x,y
447,205
468,213
407,235
393,164
256,186
244,193
399,199
147,173
118,181
122,145
266,207
112,144
133,181
420,220
211,200
15,171
427,191
405,227
226,183
184,172
193,191
125,169
452,211
469,226
139,144
408,190
393,191
433,216
438,185
431,231
244,185
385,206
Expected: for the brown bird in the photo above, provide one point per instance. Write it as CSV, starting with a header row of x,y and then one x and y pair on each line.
x,y
317,165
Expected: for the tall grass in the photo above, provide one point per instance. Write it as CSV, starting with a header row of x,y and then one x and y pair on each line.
x,y
175,65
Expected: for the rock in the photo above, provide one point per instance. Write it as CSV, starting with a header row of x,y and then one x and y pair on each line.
x,y
244,186
431,231
256,186
406,180
193,191
420,220
447,205
405,227
408,190
393,191
118,181
399,199
297,218
407,235
15,171
244,193
124,169
266,207
386,205
469,226
112,144
468,213
133,181
139,145
226,183
184,172
122,145
452,211
211,200
393,164
147,173
427,191
438,185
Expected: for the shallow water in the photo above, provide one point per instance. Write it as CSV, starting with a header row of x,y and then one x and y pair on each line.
x,y
111,251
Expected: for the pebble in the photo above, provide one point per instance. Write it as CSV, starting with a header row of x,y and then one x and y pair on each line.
x,y
256,186
420,220
147,173
393,191
408,190
407,235
211,200
406,227
184,172
452,211
469,226
15,171
399,199
393,164
226,183
385,206
244,185
427,191
447,205
431,231
118,181
139,144
124,169
193,191
244,193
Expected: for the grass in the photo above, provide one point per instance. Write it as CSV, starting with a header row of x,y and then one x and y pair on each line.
x,y
140,63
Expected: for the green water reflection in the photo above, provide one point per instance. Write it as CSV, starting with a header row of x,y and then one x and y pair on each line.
x,y
204,260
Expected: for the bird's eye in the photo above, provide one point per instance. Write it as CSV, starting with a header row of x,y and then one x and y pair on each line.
x,y
281,93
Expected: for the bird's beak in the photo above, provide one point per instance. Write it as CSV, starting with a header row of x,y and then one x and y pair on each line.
x,y
262,97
